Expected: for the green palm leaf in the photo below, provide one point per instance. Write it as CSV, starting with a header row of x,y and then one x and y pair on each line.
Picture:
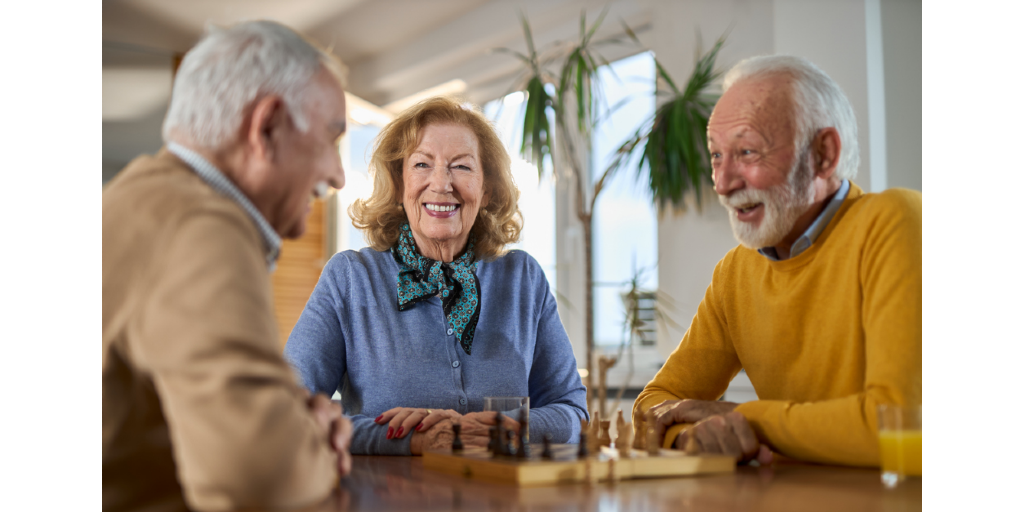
x,y
673,144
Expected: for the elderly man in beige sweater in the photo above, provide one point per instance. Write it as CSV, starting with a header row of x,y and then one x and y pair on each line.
x,y
200,410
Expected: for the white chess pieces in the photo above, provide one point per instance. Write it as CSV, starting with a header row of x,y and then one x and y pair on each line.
x,y
623,436
653,443
594,435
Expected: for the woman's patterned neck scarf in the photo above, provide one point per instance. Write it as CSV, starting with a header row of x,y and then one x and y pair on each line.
x,y
420,278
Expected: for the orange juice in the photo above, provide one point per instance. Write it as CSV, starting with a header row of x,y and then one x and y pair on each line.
x,y
901,451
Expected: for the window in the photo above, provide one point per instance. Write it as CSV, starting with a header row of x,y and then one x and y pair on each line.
x,y
537,196
625,219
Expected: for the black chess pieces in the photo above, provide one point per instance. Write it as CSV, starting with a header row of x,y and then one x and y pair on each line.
x,y
456,441
524,441
546,454
584,448
510,447
492,446
500,447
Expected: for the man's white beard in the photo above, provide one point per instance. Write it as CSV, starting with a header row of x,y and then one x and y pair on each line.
x,y
783,205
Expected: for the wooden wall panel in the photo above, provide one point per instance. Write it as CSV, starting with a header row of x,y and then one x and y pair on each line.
x,y
298,270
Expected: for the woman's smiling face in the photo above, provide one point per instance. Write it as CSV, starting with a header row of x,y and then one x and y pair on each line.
x,y
443,189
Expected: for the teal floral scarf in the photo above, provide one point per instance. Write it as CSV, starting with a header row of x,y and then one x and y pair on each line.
x,y
420,278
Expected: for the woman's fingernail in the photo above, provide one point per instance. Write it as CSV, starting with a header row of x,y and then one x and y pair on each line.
x,y
379,418
400,430
390,432
419,427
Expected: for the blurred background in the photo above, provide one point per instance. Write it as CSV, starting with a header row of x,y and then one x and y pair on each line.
x,y
398,52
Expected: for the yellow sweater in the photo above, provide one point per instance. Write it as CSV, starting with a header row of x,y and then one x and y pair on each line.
x,y
824,336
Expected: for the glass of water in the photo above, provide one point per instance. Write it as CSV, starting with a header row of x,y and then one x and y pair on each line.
x,y
515,407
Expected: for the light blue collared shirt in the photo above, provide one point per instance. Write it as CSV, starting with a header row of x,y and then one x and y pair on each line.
x,y
219,182
804,242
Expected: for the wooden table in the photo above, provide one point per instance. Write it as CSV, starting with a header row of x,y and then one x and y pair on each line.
x,y
380,483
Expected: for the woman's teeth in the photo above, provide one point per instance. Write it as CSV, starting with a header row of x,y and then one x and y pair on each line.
x,y
439,208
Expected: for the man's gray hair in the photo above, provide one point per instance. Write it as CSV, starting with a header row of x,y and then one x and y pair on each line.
x,y
820,103
230,68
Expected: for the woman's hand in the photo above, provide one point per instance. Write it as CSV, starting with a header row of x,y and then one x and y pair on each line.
x,y
475,432
404,420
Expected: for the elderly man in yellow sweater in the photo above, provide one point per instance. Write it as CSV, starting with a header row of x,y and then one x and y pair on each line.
x,y
821,302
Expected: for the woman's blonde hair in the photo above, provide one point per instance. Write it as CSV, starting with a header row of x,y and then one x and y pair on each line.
x,y
381,216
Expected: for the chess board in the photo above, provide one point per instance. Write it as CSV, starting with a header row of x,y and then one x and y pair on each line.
x,y
565,468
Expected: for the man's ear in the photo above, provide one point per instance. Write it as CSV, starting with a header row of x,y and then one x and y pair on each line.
x,y
265,125
826,147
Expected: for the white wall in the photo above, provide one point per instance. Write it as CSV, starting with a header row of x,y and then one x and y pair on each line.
x,y
835,35
901,42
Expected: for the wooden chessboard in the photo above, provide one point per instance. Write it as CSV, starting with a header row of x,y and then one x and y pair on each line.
x,y
565,467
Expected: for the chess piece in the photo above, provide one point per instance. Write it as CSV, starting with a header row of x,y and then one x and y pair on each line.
x,y
605,438
502,448
623,435
524,440
456,441
653,444
492,446
594,435
584,444
546,454
510,448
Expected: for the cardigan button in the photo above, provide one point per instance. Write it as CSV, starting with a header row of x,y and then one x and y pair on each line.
x,y
455,364
450,331
462,401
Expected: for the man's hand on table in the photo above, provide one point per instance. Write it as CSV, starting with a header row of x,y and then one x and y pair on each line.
x,y
724,434
717,429
668,413
335,426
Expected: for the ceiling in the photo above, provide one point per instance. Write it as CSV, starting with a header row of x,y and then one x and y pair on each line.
x,y
394,49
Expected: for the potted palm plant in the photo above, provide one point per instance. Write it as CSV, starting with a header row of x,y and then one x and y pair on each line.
x,y
562,106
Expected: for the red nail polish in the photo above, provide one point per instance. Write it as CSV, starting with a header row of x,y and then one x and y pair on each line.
x,y
400,430
390,432
419,427
379,418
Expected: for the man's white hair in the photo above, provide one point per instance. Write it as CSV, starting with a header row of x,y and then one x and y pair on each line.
x,y
820,103
230,68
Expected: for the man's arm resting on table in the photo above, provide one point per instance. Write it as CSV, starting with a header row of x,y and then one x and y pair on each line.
x,y
240,426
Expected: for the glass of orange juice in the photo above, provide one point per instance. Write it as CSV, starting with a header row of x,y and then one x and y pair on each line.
x,y
899,439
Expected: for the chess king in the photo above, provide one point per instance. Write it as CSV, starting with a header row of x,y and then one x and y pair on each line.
x,y
821,302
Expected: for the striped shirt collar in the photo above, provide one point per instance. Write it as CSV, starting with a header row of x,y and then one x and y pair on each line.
x,y
814,230
219,182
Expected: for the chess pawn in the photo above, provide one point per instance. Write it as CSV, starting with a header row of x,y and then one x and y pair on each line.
x,y
594,435
620,423
653,445
623,438
510,447
606,437
524,446
492,446
546,454
500,447
456,441
584,444
524,441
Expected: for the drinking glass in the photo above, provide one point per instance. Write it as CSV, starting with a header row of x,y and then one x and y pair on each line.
x,y
899,440
515,407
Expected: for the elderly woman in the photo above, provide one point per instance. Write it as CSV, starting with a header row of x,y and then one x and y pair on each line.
x,y
435,315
